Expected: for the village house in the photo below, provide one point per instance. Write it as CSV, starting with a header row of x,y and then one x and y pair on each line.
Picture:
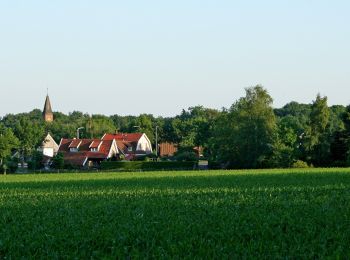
x,y
87,152
132,145
49,147
167,149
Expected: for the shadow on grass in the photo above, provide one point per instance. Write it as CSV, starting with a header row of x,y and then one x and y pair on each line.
x,y
184,182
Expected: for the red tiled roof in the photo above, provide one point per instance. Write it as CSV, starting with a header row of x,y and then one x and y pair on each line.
x,y
95,144
75,143
129,137
86,145
124,140
122,146
84,152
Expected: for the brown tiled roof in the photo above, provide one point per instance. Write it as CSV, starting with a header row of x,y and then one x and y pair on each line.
x,y
76,159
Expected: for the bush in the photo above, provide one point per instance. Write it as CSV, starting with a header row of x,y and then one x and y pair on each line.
x,y
186,156
146,158
300,164
147,166
58,161
36,161
214,165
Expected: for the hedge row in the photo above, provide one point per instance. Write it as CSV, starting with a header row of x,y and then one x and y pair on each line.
x,y
147,166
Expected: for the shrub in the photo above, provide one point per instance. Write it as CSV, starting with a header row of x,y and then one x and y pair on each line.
x,y
147,166
300,164
186,156
36,162
58,161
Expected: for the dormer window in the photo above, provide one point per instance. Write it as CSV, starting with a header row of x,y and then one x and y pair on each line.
x,y
74,146
95,145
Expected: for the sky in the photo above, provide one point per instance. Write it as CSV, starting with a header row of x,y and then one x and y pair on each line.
x,y
132,57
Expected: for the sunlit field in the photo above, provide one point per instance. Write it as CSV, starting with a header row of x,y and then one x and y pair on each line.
x,y
209,214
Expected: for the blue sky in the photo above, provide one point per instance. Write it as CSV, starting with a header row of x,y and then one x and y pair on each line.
x,y
132,57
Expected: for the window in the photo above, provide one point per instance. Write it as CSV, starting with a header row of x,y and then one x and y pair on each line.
x,y
73,150
130,149
94,150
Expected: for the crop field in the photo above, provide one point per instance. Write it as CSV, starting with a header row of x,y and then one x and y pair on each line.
x,y
209,214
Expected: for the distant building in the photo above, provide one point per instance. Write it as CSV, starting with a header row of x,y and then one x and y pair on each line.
x,y
170,149
132,145
167,149
47,112
87,152
49,147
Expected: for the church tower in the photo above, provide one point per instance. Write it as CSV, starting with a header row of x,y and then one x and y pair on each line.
x,y
47,113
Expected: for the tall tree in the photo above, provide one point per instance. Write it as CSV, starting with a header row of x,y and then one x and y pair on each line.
x,y
30,135
8,141
346,133
246,132
318,143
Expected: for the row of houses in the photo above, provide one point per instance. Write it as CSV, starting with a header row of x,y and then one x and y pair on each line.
x,y
90,152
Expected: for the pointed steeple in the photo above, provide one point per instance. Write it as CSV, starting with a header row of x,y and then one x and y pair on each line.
x,y
47,113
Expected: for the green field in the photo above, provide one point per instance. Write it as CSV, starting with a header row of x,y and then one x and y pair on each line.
x,y
216,214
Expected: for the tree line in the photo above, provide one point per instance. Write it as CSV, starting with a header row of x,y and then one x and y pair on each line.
x,y
249,134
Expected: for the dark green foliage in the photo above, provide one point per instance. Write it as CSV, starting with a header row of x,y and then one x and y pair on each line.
x,y
185,154
8,142
97,125
58,161
244,136
36,162
146,158
251,134
30,134
271,214
147,166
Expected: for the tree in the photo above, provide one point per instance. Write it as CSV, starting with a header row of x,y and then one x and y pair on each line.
x,y
286,146
319,119
244,135
30,135
97,125
36,161
8,141
317,135
346,134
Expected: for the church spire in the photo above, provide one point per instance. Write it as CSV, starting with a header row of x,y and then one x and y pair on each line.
x,y
47,113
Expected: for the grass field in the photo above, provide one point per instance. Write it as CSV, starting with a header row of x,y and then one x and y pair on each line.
x,y
216,214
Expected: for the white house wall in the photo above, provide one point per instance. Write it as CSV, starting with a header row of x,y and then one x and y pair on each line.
x,y
114,150
49,152
144,144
